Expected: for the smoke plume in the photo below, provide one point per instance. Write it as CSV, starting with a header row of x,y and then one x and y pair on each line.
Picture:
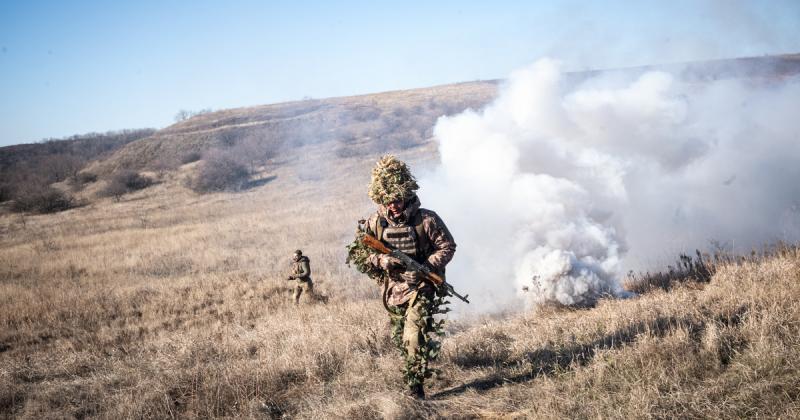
x,y
563,184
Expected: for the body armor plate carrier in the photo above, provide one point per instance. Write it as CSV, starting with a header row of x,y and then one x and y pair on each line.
x,y
402,238
409,238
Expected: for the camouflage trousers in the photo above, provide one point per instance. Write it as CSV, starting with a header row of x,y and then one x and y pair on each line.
x,y
307,286
414,328
412,323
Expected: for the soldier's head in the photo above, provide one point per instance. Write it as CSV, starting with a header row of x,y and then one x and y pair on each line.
x,y
392,184
396,207
297,255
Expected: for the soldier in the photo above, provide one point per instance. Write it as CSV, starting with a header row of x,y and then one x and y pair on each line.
x,y
301,271
421,234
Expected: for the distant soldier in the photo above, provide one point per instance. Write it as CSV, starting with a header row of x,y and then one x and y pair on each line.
x,y
401,224
301,271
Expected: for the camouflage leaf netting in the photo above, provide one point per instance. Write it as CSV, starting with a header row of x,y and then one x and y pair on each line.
x,y
357,254
417,368
391,181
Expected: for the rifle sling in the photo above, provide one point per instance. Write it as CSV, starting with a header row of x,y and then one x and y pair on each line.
x,y
385,294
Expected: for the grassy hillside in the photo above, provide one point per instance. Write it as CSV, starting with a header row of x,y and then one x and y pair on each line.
x,y
26,168
349,126
366,125
165,303
375,123
261,136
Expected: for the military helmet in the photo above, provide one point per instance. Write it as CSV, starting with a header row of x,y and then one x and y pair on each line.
x,y
391,181
298,252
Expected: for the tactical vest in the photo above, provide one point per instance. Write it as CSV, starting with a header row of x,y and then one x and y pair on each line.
x,y
297,267
409,239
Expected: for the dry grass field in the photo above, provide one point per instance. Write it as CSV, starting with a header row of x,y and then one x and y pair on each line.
x,y
169,304
164,303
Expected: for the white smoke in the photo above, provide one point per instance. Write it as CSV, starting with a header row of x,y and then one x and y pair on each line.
x,y
561,186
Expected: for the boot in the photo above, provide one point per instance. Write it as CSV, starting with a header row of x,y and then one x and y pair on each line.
x,y
416,391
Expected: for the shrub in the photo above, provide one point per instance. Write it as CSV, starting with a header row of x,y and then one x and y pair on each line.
x,y
365,113
132,180
228,138
185,114
124,182
79,180
6,192
220,172
687,268
254,150
43,200
163,165
190,157
86,178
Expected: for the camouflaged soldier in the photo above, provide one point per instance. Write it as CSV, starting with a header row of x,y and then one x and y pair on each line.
x,y
301,271
421,234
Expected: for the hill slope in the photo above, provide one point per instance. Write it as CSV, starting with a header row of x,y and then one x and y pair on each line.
x,y
358,125
163,305
168,304
376,123
271,135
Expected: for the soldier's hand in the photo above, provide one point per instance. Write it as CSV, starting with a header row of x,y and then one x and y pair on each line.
x,y
290,278
390,263
413,278
442,291
385,262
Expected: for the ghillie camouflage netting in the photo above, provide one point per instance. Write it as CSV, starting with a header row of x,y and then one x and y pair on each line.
x,y
391,181
416,368
357,254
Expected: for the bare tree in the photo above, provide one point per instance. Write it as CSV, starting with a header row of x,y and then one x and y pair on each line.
x,y
182,115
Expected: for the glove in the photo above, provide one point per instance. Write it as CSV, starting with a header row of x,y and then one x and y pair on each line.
x,y
412,278
385,262
290,278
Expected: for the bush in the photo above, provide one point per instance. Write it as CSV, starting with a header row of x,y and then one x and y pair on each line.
x,y
124,182
191,157
220,172
86,178
79,180
6,192
228,138
131,180
688,268
365,113
163,165
43,200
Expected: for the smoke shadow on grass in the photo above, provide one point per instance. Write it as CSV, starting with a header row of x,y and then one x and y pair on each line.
x,y
547,361
259,182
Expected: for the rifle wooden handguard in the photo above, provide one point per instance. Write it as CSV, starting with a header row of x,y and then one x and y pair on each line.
x,y
375,244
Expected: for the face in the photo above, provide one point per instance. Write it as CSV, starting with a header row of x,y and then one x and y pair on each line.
x,y
296,256
396,207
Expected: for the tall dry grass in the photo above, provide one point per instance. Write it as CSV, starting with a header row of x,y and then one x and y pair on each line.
x,y
167,304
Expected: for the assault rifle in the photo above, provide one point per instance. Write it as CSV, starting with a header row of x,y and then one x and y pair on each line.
x,y
437,280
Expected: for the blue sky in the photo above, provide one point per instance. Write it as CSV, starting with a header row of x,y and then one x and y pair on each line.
x,y
70,67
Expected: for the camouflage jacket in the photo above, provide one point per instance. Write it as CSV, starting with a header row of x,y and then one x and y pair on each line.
x,y
436,247
301,269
